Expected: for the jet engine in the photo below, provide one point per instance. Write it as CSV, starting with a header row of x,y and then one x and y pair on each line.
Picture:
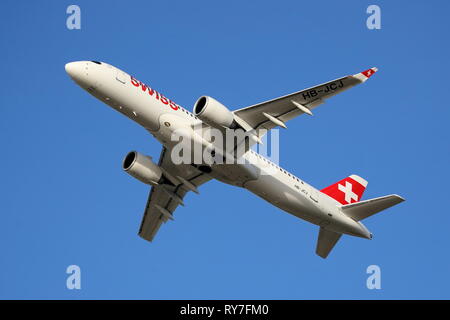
x,y
142,167
214,113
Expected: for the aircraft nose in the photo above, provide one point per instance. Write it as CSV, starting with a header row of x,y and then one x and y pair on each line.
x,y
74,70
78,71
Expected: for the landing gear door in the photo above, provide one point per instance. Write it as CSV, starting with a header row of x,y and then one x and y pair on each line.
x,y
121,76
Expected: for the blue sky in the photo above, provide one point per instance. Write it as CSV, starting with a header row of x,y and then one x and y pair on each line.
x,y
65,199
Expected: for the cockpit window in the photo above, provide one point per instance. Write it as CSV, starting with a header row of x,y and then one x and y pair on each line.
x,y
96,62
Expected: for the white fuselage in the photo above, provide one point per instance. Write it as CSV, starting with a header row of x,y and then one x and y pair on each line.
x,y
161,116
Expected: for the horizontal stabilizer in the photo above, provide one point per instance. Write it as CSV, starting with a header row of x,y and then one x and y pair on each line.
x,y
361,210
326,241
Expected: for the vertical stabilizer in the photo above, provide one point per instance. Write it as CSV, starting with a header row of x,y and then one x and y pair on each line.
x,y
348,190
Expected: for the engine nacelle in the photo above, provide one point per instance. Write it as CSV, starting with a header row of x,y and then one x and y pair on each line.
x,y
142,168
214,113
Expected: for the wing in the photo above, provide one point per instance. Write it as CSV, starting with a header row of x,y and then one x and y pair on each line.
x,y
165,198
276,112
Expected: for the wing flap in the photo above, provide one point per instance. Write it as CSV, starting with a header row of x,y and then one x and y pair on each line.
x,y
153,215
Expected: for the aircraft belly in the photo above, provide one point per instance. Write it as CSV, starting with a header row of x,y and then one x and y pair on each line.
x,y
271,189
235,174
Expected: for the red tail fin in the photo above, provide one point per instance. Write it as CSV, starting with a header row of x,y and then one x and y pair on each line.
x,y
347,190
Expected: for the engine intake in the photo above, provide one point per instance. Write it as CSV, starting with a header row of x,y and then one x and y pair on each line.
x,y
142,167
214,113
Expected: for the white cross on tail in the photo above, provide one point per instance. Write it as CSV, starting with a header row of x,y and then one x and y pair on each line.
x,y
347,190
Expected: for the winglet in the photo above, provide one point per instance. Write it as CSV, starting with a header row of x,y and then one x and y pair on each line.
x,y
366,74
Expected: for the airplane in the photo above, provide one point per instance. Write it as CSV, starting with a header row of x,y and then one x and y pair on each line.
x,y
336,209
